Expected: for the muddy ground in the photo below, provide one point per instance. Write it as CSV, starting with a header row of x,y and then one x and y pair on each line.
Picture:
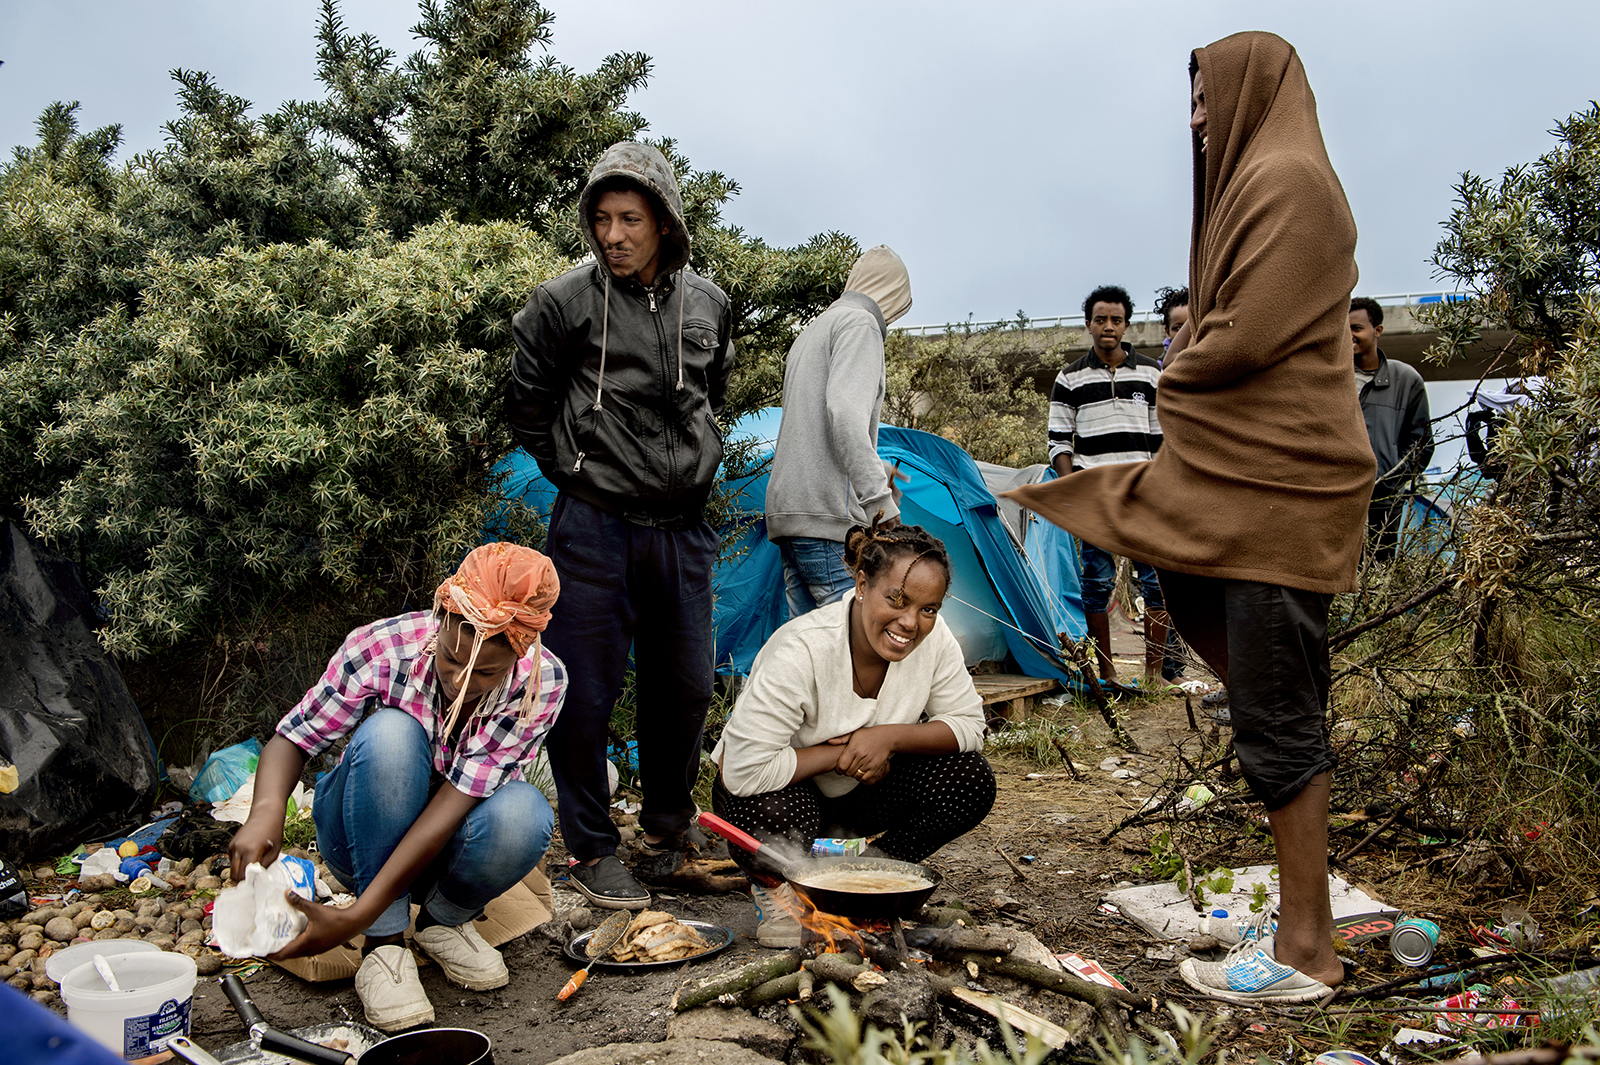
x,y
1050,826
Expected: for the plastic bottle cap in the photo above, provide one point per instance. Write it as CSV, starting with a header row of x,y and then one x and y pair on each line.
x,y
1219,913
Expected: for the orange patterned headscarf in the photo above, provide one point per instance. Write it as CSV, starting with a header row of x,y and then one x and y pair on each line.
x,y
501,588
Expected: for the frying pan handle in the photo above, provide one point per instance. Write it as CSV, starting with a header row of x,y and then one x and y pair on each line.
x,y
233,987
737,836
276,1042
182,1046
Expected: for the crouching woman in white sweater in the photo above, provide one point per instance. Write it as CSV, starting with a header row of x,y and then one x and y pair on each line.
x,y
859,717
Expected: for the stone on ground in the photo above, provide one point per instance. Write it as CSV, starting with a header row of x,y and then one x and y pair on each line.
x,y
732,1026
670,1052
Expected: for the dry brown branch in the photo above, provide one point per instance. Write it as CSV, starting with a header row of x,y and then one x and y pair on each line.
x,y
1088,670
1107,1001
1349,635
981,940
1020,872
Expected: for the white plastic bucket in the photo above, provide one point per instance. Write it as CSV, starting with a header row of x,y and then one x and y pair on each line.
x,y
152,1007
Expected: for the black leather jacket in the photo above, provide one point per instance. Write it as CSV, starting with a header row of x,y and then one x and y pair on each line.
x,y
641,441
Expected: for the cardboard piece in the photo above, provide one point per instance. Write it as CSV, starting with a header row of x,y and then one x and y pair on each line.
x,y
1164,911
525,907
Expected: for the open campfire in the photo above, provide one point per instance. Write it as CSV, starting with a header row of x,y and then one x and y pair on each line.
x,y
895,970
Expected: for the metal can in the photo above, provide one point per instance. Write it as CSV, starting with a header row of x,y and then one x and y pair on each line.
x,y
1413,940
821,848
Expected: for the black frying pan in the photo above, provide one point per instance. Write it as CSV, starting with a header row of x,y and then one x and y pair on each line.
x,y
806,877
431,1046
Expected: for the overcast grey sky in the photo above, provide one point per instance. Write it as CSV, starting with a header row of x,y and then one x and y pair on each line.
x,y
1016,154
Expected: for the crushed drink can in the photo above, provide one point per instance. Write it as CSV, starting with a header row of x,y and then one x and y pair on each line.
x,y
823,848
1413,941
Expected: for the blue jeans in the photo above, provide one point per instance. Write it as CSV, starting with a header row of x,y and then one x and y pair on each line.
x,y
625,585
813,573
1100,580
367,805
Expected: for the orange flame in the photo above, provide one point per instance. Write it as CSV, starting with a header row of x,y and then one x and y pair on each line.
x,y
831,930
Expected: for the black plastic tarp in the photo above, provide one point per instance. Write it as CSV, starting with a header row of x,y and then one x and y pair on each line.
x,y
66,718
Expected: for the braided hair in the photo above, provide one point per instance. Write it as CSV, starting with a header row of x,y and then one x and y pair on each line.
x,y
872,550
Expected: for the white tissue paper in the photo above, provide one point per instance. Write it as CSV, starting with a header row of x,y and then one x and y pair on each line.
x,y
253,919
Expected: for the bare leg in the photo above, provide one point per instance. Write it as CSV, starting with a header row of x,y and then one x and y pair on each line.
x,y
1305,916
1099,626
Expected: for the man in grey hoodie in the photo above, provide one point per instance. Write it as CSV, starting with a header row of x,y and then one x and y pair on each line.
x,y
620,373
826,474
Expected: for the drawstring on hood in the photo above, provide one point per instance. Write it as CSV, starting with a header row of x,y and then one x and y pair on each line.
x,y
648,168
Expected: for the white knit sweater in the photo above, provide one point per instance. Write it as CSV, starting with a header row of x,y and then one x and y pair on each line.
x,y
801,693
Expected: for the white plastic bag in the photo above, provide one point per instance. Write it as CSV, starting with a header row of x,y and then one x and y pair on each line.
x,y
253,919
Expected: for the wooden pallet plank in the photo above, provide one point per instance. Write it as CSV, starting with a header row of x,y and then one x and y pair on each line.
x,y
1004,687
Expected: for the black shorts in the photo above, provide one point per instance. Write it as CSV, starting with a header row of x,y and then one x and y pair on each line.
x,y
1277,674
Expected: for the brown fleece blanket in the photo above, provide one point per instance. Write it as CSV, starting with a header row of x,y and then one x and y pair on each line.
x,y
1265,470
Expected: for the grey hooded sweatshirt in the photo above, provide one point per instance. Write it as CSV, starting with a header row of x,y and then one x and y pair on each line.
x,y
615,388
826,475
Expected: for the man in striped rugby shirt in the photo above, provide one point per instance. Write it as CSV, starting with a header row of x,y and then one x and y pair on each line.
x,y
1103,410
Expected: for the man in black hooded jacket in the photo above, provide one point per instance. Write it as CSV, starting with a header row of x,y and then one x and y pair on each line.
x,y
619,377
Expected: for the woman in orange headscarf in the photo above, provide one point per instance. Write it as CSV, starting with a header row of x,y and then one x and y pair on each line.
x,y
426,805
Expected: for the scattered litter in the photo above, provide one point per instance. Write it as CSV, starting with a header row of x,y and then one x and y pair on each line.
x,y
1110,762
1167,913
1460,1012
1258,1027
1089,970
236,807
1342,1057
225,771
1166,953
1125,774
1109,910
1194,687
1415,1038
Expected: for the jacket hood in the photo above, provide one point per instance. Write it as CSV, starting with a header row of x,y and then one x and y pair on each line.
x,y
649,169
880,275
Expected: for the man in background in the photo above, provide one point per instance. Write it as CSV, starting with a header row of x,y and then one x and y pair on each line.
x,y
1172,304
1394,403
826,474
1103,411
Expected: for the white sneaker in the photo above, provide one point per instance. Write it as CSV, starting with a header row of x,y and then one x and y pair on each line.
x,y
775,909
465,956
1251,975
390,991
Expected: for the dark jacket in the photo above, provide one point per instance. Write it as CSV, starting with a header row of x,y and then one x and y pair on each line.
x,y
1395,406
615,389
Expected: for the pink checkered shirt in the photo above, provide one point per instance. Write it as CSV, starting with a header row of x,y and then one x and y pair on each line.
x,y
389,663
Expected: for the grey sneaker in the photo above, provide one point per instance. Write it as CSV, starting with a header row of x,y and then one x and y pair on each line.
x,y
776,926
1251,975
608,884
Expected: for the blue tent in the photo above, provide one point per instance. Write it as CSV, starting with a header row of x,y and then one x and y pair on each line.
x,y
1015,582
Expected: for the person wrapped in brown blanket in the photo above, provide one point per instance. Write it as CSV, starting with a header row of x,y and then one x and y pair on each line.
x,y
1254,508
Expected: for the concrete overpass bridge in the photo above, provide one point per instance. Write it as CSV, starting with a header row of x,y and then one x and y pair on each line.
x,y
1404,337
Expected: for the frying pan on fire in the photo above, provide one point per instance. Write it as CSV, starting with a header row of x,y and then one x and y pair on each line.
x,y
845,885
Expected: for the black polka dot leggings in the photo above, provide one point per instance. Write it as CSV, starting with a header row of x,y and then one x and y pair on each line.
x,y
924,802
